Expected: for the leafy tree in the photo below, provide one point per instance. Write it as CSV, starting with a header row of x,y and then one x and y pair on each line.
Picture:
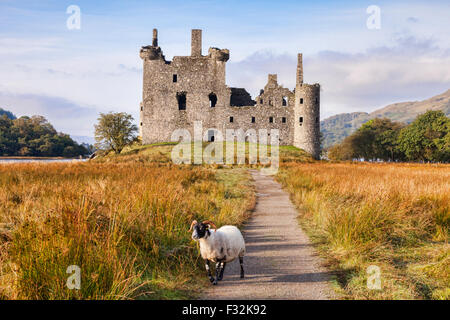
x,y
35,136
376,139
114,131
361,143
6,139
385,134
341,151
427,138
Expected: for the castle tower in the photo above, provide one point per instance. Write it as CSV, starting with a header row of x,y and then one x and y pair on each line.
x,y
152,57
306,114
178,93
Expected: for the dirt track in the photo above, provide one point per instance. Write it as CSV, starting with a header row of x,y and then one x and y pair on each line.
x,y
280,262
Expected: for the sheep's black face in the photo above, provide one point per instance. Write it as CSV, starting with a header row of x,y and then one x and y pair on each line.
x,y
200,231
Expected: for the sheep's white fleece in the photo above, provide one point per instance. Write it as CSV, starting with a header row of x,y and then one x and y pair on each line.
x,y
227,242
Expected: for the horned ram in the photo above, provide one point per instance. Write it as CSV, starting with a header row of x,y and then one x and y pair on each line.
x,y
220,246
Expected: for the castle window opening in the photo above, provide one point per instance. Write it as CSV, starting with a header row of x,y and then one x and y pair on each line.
x,y
283,119
175,78
142,108
231,119
301,100
211,135
181,98
284,102
261,101
253,119
317,119
317,100
141,124
271,119
212,100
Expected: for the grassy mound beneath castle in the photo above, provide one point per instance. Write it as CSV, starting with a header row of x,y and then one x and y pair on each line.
x,y
392,216
162,153
122,219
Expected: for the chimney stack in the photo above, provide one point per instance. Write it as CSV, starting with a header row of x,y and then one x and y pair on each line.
x,y
196,43
155,38
300,69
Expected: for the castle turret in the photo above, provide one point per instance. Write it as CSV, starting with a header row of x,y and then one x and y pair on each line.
x,y
219,54
152,52
179,92
306,114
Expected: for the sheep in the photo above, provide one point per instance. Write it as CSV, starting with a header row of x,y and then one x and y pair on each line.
x,y
218,245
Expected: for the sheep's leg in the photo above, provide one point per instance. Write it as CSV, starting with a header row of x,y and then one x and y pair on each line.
x,y
241,261
218,264
222,269
208,270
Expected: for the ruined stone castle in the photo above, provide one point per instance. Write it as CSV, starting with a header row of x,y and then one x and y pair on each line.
x,y
192,88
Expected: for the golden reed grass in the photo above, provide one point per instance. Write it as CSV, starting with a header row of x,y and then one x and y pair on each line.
x,y
395,216
123,223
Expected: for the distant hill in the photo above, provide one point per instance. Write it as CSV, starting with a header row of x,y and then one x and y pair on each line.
x,y
9,114
35,137
336,128
83,139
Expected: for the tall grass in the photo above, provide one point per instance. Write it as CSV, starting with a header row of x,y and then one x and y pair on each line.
x,y
395,216
124,223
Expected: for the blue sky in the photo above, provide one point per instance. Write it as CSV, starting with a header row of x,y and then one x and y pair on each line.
x,y
70,76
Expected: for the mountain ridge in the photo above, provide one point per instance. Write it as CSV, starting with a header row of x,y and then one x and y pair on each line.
x,y
335,128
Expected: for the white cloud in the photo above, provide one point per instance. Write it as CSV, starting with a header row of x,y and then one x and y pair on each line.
x,y
104,81
66,116
23,46
410,70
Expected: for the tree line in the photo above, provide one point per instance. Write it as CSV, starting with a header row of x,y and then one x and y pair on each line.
x,y
426,139
9,114
35,136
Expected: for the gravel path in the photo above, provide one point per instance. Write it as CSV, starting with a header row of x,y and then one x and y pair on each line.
x,y
280,262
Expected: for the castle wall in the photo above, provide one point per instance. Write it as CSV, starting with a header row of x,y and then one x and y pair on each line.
x,y
242,119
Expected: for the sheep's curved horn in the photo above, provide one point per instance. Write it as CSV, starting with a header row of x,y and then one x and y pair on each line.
x,y
210,223
192,225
